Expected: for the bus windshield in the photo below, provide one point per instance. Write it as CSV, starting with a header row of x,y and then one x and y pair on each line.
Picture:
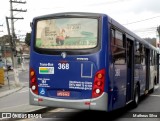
x,y
67,33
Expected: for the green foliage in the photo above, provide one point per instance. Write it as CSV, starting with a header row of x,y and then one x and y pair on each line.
x,y
28,39
151,41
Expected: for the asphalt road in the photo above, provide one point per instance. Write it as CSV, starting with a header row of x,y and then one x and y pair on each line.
x,y
18,102
147,110
14,102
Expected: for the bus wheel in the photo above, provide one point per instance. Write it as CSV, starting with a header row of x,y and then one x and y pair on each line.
x,y
136,97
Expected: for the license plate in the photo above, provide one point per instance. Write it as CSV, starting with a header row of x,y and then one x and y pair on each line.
x,y
63,93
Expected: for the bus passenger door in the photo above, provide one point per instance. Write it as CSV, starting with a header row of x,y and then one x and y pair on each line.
x,y
158,63
119,70
130,49
147,68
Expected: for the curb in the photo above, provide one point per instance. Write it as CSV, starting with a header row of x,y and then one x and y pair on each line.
x,y
11,91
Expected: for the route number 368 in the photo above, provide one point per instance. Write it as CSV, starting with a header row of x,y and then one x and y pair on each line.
x,y
63,66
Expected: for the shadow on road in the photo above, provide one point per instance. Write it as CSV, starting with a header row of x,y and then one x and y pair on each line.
x,y
101,115
92,115
97,115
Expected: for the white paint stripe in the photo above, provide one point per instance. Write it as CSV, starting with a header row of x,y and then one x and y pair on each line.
x,y
57,110
26,83
14,106
24,91
156,87
155,95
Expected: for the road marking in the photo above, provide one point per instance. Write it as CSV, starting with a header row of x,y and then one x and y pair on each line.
x,y
156,87
24,91
155,95
57,110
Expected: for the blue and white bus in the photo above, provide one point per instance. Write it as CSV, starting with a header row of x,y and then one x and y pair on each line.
x,y
88,61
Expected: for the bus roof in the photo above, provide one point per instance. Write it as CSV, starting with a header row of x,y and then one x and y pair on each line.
x,y
111,20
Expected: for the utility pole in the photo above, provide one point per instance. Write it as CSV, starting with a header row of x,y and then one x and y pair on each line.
x,y
158,30
13,37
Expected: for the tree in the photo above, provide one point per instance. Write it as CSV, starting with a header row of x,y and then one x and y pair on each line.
x,y
28,39
151,41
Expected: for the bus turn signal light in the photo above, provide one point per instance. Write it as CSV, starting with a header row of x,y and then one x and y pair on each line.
x,y
99,76
32,73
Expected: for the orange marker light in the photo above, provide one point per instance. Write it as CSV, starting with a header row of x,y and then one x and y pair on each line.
x,y
32,73
99,76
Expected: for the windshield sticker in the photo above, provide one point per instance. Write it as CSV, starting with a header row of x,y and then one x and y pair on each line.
x,y
80,85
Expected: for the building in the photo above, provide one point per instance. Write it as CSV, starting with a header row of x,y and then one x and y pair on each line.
x,y
6,50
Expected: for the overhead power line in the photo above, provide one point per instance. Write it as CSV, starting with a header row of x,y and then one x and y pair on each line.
x,y
106,2
145,29
142,20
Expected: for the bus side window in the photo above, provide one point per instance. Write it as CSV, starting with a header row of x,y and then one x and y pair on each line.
x,y
117,49
151,57
118,38
142,55
113,48
137,53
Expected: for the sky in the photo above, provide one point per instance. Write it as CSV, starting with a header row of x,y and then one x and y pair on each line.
x,y
140,16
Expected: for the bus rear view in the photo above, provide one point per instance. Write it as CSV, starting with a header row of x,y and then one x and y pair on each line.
x,y
66,69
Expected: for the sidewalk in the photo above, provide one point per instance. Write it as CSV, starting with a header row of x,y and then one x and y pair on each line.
x,y
9,88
